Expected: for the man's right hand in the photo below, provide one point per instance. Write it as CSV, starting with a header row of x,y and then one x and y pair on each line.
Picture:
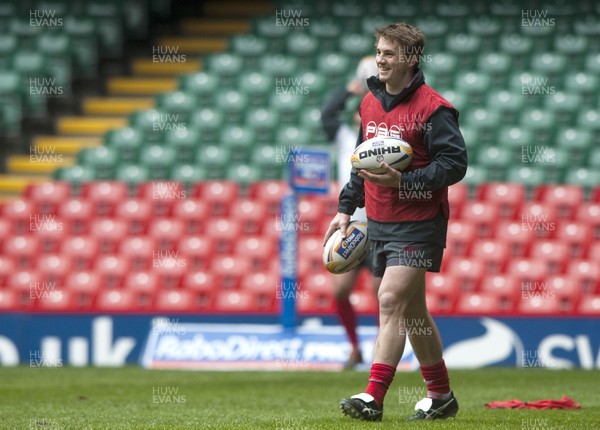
x,y
340,221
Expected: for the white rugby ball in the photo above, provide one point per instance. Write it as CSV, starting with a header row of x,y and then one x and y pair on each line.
x,y
394,151
341,255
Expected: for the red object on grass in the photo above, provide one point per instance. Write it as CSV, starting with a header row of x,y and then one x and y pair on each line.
x,y
564,403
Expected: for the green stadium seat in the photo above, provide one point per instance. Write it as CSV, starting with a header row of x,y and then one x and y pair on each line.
x,y
459,100
592,63
474,85
443,67
465,47
577,142
316,85
475,176
126,141
350,13
509,104
188,174
541,123
486,122
509,13
239,140
497,66
270,160
594,160
487,28
177,103
234,105
436,29
185,142
550,65
263,122
541,36
304,47
152,123
555,163
533,87
258,86
495,159
102,160
372,22
250,47
8,45
287,105
76,175
356,45
589,120
275,35
586,85
244,174
530,176
334,67
471,141
586,178
565,107
202,85
292,136
109,26
213,160
11,105
37,83
132,174
25,32
159,160
518,48
58,52
82,32
328,31
228,66
279,65
210,122
310,120
573,47
515,138
402,9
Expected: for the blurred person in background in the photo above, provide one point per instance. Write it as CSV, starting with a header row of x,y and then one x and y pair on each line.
x,y
345,136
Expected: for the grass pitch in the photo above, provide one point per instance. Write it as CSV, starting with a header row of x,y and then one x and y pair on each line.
x,y
134,398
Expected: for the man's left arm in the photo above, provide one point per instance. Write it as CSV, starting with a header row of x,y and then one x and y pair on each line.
x,y
447,150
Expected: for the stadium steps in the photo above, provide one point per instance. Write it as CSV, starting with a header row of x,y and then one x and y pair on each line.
x,y
150,67
195,45
212,26
88,125
43,165
237,8
133,85
12,186
115,105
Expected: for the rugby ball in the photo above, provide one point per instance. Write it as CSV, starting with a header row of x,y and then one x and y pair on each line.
x,y
392,150
341,255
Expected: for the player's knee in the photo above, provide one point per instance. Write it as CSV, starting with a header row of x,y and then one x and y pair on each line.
x,y
389,303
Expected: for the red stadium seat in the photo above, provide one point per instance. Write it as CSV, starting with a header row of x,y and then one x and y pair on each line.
x,y
25,283
219,195
310,215
193,212
563,198
444,289
265,288
553,253
461,235
538,305
105,196
518,238
50,231
9,300
589,213
595,195
507,196
144,284
136,213
24,250
84,286
197,251
6,227
20,213
467,271
166,232
589,305
76,214
53,268
565,291
540,218
318,283
364,302
478,304
112,269
493,253
234,301
315,304
458,194
594,252
202,286
161,195
269,192
483,215
7,266
138,251
224,232
169,267
228,270
261,251
109,233
310,249
505,287
527,271
57,300
112,300
585,274
251,214
577,236
175,301
48,196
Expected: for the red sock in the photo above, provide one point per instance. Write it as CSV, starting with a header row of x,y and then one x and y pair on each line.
x,y
379,381
436,379
347,317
